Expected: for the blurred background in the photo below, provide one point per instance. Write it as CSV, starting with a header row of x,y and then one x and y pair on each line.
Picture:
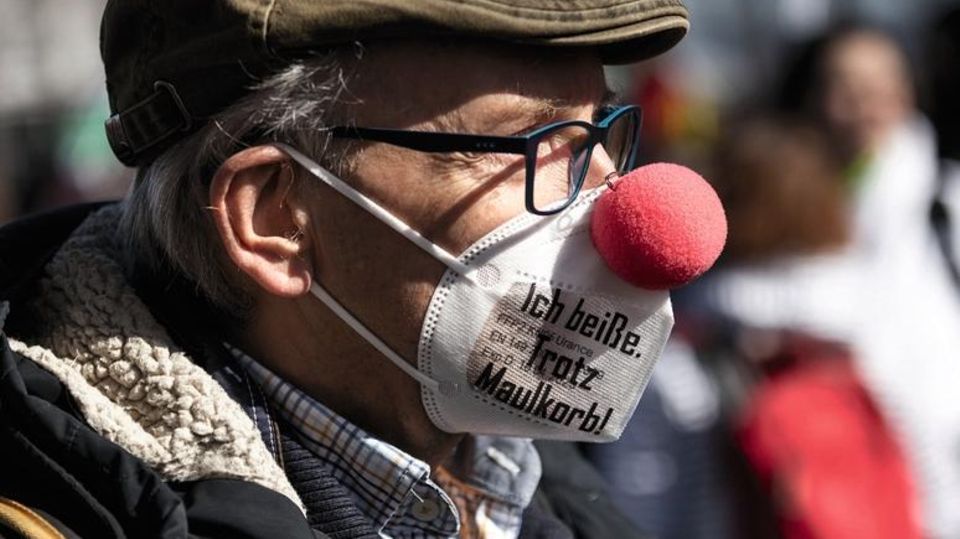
x,y
810,389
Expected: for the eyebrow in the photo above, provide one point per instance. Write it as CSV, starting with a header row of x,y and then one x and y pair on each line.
x,y
544,110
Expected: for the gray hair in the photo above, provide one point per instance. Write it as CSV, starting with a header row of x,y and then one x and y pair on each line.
x,y
166,222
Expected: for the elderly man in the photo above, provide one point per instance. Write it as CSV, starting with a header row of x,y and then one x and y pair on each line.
x,y
866,97
348,284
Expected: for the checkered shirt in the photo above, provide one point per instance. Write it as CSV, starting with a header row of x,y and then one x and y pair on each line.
x,y
394,490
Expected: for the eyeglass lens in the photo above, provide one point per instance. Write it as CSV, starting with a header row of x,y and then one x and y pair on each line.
x,y
620,141
563,160
556,174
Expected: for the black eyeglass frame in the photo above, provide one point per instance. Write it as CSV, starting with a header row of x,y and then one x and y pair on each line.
x,y
438,142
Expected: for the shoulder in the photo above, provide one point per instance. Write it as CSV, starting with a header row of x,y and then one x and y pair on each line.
x,y
573,492
70,461
28,243
57,473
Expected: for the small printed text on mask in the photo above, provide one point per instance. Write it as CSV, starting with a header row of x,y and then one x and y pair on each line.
x,y
539,352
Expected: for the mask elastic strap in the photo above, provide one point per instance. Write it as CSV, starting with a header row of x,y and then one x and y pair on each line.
x,y
372,338
378,211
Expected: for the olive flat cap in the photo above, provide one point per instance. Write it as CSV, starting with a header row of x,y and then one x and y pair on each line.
x,y
171,64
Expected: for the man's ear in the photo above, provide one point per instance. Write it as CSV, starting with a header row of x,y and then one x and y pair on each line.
x,y
260,220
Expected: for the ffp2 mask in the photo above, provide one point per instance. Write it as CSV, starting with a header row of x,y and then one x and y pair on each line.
x,y
528,332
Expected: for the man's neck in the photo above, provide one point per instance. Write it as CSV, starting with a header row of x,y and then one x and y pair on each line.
x,y
329,362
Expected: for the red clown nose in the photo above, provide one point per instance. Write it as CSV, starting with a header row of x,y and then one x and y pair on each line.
x,y
659,227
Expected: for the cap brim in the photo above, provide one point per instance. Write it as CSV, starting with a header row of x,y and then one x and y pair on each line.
x,y
634,42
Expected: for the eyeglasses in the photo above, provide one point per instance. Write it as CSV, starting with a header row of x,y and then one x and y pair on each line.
x,y
558,155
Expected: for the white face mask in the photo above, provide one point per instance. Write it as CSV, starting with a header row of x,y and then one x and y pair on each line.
x,y
528,332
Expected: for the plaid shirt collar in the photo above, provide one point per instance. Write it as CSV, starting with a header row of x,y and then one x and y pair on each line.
x,y
492,479
390,487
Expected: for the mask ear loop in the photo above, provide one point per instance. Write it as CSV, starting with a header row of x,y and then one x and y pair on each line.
x,y
467,272
378,211
443,387
382,347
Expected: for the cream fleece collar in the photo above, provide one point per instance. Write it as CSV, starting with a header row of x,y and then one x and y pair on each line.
x,y
132,384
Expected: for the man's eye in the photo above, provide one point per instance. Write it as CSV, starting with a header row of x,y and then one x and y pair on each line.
x,y
477,159
467,157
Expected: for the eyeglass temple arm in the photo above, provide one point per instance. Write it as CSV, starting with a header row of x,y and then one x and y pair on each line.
x,y
427,141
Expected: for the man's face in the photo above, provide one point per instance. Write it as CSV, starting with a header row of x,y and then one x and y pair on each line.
x,y
453,199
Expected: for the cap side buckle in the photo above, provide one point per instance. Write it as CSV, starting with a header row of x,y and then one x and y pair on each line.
x,y
147,123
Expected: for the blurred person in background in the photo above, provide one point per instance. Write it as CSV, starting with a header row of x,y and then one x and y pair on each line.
x,y
671,469
776,323
864,95
857,82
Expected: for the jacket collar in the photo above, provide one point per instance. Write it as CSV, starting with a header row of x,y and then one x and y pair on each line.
x,y
26,245
132,382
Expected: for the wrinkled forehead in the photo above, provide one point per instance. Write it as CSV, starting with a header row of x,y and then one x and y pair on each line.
x,y
403,83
